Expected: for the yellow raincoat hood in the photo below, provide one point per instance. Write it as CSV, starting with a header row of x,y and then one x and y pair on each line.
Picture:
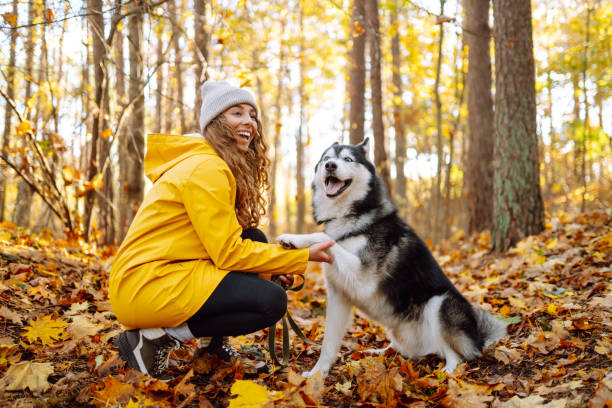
x,y
185,238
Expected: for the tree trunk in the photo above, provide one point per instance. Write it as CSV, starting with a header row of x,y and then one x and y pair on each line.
x,y
106,211
478,183
201,57
585,122
518,209
356,64
135,137
96,22
380,152
276,144
122,135
299,164
576,122
178,66
437,193
160,114
398,122
552,149
8,113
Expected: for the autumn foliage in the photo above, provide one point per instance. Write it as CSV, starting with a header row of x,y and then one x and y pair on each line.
x,y
553,289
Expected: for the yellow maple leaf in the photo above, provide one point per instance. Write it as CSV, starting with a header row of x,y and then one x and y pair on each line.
x,y
552,309
27,374
249,395
24,127
46,329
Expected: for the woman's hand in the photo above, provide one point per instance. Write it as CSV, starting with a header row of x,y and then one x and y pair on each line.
x,y
287,280
318,252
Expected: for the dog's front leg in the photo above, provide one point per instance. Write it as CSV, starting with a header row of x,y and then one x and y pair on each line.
x,y
336,319
302,240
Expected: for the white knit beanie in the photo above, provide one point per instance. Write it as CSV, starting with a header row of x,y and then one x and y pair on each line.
x,y
219,96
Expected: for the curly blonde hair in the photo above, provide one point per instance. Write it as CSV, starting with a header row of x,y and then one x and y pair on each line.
x,y
250,169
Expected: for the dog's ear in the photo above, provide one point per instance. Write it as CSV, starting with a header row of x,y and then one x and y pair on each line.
x,y
365,145
335,143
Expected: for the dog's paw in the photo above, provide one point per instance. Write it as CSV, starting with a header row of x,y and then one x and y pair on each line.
x,y
291,241
308,374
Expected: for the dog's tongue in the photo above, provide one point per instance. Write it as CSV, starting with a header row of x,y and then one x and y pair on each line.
x,y
333,186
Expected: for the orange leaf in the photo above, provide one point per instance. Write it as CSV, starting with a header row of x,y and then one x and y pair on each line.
x,y
10,18
106,134
444,19
49,15
357,29
113,391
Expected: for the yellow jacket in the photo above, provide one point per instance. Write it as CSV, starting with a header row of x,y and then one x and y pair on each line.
x,y
185,238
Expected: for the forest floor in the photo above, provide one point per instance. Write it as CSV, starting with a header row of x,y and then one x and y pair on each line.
x,y
56,330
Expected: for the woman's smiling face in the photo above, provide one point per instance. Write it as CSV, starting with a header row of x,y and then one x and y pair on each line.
x,y
243,119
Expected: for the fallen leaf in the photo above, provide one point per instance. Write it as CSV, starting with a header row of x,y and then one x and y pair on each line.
x,y
249,395
81,327
603,394
27,374
465,395
344,388
46,329
11,315
533,401
507,355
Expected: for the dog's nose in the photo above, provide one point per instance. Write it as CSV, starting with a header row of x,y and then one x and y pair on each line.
x,y
330,165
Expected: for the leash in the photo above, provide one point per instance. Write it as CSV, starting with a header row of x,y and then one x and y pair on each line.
x,y
287,321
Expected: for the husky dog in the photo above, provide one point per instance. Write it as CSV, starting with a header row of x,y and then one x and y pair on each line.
x,y
381,266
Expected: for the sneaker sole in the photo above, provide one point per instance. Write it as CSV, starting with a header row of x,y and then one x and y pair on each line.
x,y
122,345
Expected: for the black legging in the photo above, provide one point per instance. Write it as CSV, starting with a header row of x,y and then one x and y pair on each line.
x,y
242,303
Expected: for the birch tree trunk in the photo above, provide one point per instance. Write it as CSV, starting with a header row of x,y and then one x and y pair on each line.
x,y
518,209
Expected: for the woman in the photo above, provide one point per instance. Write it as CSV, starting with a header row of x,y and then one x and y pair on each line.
x,y
171,280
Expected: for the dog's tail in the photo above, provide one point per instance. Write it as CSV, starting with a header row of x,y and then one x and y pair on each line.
x,y
490,327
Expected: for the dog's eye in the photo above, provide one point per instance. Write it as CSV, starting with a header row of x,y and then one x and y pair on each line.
x,y
326,158
348,159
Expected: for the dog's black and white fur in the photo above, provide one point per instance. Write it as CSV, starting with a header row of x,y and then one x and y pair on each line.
x,y
381,266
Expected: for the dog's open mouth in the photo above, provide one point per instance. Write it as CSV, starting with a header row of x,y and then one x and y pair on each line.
x,y
334,186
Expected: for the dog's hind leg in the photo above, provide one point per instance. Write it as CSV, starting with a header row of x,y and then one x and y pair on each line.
x,y
336,319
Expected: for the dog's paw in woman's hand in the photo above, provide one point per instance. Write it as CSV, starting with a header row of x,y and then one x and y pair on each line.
x,y
288,241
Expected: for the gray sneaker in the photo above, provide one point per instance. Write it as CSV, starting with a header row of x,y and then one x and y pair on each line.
x,y
149,356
